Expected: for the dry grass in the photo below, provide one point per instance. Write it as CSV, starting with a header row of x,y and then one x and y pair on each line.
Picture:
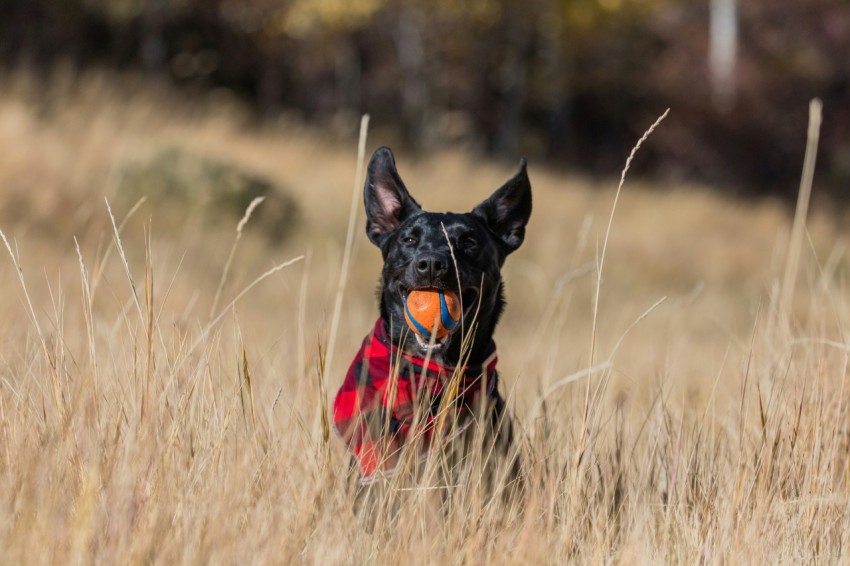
x,y
135,427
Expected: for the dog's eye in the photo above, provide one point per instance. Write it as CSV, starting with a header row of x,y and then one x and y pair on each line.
x,y
469,243
408,240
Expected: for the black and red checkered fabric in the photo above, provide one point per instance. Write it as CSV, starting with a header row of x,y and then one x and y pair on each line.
x,y
374,409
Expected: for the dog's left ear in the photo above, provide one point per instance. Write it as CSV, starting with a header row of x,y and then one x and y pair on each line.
x,y
386,198
507,210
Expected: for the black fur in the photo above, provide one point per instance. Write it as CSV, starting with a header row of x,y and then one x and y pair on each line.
x,y
420,249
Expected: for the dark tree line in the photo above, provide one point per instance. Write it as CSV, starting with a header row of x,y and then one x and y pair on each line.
x,y
575,81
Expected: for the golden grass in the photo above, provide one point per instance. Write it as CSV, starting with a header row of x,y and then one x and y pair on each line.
x,y
135,427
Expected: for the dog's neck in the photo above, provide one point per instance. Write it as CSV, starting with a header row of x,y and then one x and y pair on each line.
x,y
385,389
439,363
453,356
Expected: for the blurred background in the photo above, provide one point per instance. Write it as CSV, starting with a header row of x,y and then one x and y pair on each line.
x,y
574,82
180,113
161,399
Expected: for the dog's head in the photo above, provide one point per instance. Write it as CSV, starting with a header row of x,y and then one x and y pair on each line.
x,y
462,253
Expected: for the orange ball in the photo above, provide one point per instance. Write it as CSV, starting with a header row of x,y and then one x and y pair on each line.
x,y
432,310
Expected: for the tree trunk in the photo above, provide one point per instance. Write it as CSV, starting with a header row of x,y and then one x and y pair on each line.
x,y
722,52
411,59
513,88
153,51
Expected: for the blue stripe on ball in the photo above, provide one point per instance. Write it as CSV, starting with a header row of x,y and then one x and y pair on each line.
x,y
448,322
424,332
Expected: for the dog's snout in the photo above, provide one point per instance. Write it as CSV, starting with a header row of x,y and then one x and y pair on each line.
x,y
432,265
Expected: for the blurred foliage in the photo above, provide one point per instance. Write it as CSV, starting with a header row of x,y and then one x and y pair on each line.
x,y
183,184
575,81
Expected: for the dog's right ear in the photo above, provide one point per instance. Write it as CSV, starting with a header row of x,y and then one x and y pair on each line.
x,y
507,211
387,201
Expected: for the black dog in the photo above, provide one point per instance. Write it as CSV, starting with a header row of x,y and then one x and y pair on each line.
x,y
402,388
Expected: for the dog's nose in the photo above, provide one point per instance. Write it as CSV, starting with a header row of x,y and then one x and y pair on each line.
x,y
432,265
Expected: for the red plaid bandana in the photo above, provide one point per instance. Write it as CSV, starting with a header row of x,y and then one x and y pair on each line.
x,y
374,411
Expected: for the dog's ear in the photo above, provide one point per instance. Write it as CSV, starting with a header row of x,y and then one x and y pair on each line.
x,y
387,201
507,210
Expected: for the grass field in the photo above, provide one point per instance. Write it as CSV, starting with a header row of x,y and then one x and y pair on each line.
x,y
141,422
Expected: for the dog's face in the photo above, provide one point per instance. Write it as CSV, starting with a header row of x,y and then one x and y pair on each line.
x,y
462,253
